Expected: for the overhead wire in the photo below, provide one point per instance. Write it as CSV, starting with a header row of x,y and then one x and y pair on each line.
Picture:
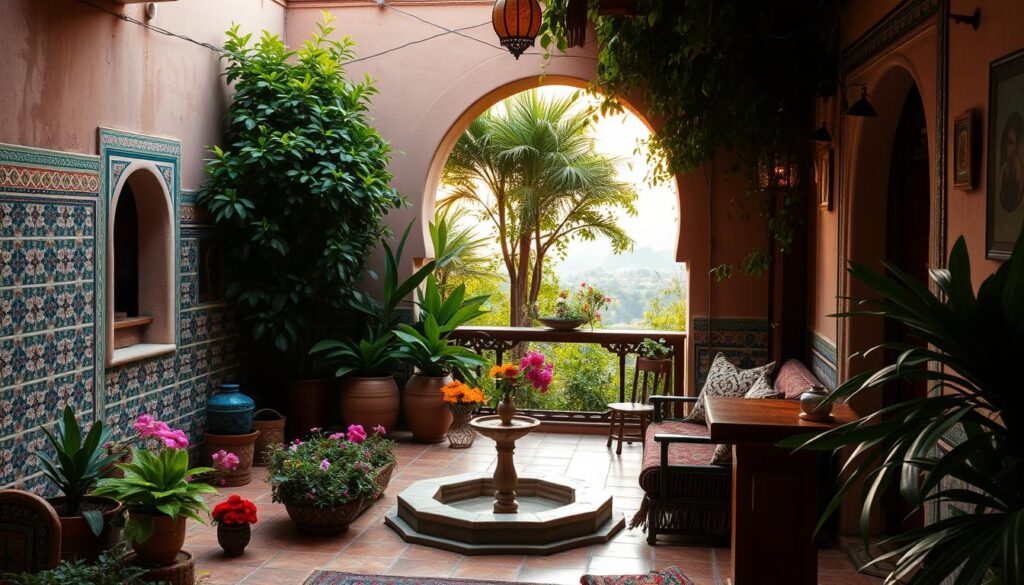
x,y
380,3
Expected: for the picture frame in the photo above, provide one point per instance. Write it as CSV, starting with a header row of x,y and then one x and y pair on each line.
x,y
823,168
965,151
1004,202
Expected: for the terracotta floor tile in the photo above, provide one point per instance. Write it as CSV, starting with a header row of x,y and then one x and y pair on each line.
x,y
252,557
223,575
572,559
624,550
682,554
470,569
374,549
553,576
294,559
365,565
413,568
277,576
416,552
618,566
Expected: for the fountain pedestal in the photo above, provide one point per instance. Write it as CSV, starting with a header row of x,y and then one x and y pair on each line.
x,y
505,437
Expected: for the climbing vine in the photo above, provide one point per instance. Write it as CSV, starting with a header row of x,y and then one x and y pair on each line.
x,y
734,75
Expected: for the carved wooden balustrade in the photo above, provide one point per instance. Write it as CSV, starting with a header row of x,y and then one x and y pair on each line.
x,y
621,342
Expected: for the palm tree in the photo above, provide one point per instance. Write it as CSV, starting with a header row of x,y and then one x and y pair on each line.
x,y
453,236
530,170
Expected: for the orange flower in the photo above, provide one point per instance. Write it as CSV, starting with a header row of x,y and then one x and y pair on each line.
x,y
456,392
505,371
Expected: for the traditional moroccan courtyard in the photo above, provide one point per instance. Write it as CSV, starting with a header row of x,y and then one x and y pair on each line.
x,y
278,554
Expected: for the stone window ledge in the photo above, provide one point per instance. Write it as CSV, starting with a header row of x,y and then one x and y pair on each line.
x,y
141,351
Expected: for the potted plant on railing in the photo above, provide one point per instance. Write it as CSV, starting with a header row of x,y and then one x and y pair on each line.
x,y
159,492
571,310
326,481
436,359
962,447
302,216
80,462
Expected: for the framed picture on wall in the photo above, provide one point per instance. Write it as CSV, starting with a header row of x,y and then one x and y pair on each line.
x,y
1005,176
823,177
965,151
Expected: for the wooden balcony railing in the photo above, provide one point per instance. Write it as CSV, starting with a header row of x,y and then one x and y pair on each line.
x,y
621,342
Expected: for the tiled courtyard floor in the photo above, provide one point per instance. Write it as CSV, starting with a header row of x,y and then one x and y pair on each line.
x,y
281,556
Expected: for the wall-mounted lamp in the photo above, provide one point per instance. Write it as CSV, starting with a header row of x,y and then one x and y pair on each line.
x,y
778,171
861,108
973,19
822,134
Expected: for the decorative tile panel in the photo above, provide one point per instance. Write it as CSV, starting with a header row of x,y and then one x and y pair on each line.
x,y
25,310
743,341
823,360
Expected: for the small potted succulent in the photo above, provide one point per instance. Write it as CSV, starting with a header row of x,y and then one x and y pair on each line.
x,y
159,491
81,461
325,482
463,402
234,518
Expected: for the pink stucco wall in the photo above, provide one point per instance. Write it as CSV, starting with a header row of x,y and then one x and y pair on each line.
x,y
69,68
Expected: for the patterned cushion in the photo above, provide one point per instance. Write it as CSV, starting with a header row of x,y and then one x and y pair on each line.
x,y
725,379
666,576
762,389
794,379
678,453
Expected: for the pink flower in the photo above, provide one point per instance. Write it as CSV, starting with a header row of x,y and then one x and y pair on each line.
x,y
607,300
356,433
380,430
174,439
225,461
314,430
336,436
532,359
294,447
325,465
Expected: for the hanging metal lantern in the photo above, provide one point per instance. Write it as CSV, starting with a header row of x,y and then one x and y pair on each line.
x,y
778,171
517,23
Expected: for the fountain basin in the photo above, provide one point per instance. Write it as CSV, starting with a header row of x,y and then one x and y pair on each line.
x,y
454,513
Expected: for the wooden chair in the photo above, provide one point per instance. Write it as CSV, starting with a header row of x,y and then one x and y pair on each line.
x,y
638,411
29,533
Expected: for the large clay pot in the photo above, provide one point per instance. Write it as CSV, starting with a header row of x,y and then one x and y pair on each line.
x,y
162,547
425,409
309,405
370,402
76,538
243,446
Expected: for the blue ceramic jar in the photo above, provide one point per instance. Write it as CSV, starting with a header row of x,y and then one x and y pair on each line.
x,y
229,412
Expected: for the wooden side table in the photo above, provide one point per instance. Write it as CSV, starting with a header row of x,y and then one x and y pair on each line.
x,y
774,490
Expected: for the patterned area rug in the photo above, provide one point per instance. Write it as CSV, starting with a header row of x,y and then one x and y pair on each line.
x,y
335,578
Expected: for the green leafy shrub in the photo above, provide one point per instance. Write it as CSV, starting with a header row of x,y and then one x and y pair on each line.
x,y
109,569
329,470
301,188
156,484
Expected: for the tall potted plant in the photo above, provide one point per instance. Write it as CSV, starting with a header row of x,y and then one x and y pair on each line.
x,y
962,447
427,348
299,193
79,462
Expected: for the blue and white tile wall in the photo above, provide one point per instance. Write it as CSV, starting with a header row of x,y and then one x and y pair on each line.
x,y
52,217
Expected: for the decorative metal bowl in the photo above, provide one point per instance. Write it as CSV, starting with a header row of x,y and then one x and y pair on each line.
x,y
561,324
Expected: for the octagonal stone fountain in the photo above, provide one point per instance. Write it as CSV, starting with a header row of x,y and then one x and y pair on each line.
x,y
478,513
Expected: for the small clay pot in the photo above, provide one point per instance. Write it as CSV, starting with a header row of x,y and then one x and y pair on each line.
x,y
425,409
162,547
76,538
243,446
233,538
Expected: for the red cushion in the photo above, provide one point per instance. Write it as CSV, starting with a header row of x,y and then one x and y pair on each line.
x,y
678,453
794,379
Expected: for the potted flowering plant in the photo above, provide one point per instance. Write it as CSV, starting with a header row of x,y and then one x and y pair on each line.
x,y
533,371
574,309
463,402
159,492
325,482
233,518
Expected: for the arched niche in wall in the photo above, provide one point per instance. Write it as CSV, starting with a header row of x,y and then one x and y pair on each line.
x,y
140,275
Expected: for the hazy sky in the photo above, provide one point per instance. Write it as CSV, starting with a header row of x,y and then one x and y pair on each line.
x,y
619,136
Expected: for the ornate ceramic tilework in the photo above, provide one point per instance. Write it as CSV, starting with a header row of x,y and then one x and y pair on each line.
x,y
743,341
823,359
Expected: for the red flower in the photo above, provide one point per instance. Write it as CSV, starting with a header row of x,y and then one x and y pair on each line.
x,y
234,511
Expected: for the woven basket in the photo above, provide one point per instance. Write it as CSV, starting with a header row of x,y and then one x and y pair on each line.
x,y
324,521
271,433
382,480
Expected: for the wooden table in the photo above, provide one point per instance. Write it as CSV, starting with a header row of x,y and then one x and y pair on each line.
x,y
774,490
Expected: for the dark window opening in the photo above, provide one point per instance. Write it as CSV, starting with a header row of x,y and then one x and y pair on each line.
x,y
209,269
126,256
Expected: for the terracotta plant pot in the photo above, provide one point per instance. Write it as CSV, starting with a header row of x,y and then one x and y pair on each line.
x,y
76,538
233,538
309,405
425,409
182,571
162,547
324,521
370,402
242,446
270,424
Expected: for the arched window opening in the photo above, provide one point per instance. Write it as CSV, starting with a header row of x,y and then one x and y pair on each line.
x,y
126,257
